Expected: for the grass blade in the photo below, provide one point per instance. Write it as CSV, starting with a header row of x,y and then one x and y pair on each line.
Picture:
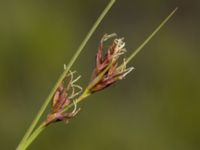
x,y
151,36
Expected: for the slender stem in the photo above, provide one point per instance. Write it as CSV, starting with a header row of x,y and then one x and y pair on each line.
x,y
48,99
151,36
33,136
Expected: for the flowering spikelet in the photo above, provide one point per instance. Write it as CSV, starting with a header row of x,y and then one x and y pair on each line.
x,y
62,99
115,72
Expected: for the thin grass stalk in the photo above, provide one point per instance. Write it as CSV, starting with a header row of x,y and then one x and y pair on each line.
x,y
151,36
72,61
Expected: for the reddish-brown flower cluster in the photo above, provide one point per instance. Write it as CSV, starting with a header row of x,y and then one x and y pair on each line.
x,y
106,72
115,71
61,100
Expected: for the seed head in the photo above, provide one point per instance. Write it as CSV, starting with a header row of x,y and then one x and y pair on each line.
x,y
62,99
115,72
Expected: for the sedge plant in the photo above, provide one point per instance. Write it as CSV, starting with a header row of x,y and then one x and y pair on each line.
x,y
67,94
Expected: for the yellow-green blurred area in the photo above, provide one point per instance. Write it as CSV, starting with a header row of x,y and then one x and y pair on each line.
x,y
157,106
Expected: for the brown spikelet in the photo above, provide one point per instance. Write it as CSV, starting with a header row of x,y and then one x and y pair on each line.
x,y
115,72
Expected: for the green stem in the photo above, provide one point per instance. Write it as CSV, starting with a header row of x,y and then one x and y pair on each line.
x,y
33,136
151,36
48,99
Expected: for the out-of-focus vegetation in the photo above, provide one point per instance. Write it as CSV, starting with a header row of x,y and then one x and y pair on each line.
x,y
156,107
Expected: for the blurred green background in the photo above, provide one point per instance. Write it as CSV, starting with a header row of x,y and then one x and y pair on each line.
x,y
157,107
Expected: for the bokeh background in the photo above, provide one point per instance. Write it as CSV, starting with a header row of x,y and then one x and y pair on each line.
x,y
157,107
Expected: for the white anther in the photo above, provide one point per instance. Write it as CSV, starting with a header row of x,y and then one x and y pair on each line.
x,y
108,36
75,106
